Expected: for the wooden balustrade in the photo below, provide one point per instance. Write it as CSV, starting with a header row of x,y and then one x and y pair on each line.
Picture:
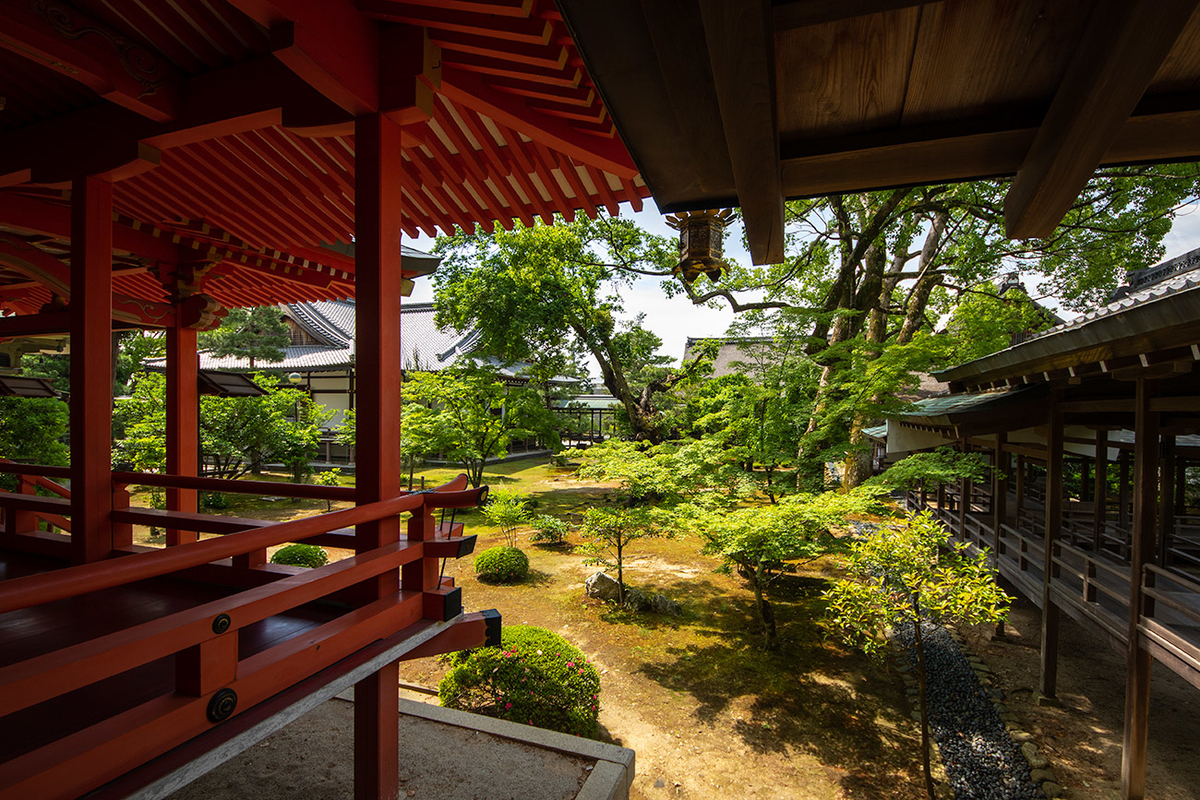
x,y
60,584
213,678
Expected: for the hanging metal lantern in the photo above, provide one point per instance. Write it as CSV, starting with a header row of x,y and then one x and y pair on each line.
x,y
701,242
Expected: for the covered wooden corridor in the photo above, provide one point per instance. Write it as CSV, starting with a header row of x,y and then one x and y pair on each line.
x,y
1090,428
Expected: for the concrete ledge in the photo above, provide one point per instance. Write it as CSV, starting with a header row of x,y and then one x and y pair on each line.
x,y
608,756
444,754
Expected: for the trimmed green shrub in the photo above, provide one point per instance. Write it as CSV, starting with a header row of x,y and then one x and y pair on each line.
x,y
301,555
502,565
214,500
508,511
535,677
548,530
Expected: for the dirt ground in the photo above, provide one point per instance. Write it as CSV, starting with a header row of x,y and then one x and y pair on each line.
x,y
710,714
1082,739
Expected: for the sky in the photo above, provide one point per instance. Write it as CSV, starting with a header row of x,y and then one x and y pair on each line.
x,y
675,319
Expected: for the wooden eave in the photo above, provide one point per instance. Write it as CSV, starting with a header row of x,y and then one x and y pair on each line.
x,y
1157,337
871,94
230,136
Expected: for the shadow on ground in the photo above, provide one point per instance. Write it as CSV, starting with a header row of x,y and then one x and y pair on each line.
x,y
811,695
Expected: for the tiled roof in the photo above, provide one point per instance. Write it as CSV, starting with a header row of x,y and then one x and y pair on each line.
x,y
422,344
1163,296
1127,298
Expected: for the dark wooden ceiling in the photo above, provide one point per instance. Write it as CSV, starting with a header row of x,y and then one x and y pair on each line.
x,y
752,102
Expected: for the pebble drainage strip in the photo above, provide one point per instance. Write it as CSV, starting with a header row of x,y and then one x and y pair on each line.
x,y
983,760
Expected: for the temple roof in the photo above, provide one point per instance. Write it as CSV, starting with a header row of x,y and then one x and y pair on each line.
x,y
1157,310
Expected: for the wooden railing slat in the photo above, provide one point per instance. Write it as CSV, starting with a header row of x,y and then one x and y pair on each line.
x,y
29,682
44,588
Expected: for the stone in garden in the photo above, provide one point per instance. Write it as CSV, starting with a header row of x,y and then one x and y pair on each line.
x,y
661,604
1041,775
1035,759
636,600
1052,790
602,587
1021,736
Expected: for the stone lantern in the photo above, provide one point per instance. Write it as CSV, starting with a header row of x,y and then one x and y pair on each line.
x,y
701,237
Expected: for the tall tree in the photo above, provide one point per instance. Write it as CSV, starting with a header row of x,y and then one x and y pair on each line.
x,y
556,288
258,333
469,415
865,272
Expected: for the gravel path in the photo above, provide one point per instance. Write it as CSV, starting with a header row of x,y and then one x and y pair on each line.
x,y
982,761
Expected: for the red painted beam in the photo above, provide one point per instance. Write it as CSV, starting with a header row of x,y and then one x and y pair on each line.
x,y
513,29
52,273
235,99
70,42
330,45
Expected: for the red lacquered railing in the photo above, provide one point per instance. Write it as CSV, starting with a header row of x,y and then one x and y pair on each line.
x,y
212,680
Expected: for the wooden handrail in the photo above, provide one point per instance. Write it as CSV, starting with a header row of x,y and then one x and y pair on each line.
x,y
19,468
47,587
306,491
33,502
29,682
1175,577
468,498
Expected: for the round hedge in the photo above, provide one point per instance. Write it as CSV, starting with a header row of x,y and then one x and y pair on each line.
x,y
301,555
502,565
535,677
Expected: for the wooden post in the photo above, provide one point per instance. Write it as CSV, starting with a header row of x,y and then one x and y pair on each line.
x,y
1137,677
1020,490
1001,463
183,420
1166,497
1181,466
1123,491
1053,525
1100,492
379,168
91,369
1000,479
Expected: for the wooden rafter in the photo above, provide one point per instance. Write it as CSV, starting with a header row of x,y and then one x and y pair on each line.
x,y
741,52
465,89
1123,47
330,45
800,13
72,43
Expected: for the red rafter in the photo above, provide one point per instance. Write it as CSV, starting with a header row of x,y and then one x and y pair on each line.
x,y
514,29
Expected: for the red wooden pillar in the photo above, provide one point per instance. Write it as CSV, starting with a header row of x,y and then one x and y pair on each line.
x,y
1053,525
379,169
182,420
91,369
1141,552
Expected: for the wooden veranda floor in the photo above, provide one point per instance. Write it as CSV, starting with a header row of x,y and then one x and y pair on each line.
x,y
1090,585
31,632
